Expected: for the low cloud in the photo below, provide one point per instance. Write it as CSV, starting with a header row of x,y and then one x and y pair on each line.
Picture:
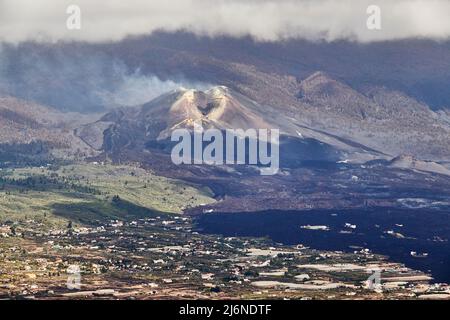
x,y
264,20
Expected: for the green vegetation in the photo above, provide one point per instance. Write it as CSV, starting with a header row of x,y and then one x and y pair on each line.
x,y
86,193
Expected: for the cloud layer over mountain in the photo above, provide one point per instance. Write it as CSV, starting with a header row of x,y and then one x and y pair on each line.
x,y
265,20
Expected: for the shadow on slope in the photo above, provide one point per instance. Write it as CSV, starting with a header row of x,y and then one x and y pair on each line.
x,y
98,212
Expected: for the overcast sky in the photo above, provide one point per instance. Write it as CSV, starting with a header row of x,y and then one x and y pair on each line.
x,y
264,20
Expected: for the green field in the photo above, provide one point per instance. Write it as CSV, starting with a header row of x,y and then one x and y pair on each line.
x,y
85,193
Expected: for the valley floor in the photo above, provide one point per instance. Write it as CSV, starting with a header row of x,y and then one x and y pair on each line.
x,y
123,229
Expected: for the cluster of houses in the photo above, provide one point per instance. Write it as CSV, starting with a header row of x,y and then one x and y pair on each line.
x,y
164,255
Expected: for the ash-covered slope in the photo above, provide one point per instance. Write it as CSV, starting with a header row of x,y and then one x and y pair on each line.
x,y
29,130
215,108
410,163
218,107
330,95
379,118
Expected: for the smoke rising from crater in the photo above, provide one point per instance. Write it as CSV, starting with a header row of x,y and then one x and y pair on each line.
x,y
78,81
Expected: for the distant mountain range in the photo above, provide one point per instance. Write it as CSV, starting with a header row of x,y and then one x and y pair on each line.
x,y
419,68
333,123
333,102
360,124
363,126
